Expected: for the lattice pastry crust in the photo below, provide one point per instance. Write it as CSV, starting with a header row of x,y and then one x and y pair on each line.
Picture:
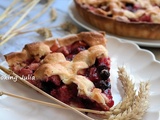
x,y
55,63
129,18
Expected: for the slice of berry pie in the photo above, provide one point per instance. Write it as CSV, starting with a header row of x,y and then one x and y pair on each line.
x,y
73,69
129,18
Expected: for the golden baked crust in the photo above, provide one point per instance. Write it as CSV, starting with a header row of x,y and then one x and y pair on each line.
x,y
119,26
55,63
68,71
39,49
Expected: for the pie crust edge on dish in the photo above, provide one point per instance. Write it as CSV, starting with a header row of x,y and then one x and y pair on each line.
x,y
95,40
118,27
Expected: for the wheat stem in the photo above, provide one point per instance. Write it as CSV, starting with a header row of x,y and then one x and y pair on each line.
x,y
31,5
49,104
12,33
5,13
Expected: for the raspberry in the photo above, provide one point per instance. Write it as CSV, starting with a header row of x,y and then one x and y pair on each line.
x,y
78,46
145,18
64,94
55,79
104,62
111,103
93,74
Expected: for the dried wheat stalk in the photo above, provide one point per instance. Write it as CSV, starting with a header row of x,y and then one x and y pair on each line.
x,y
1,37
44,32
66,26
13,32
31,6
15,10
132,110
128,87
25,12
12,13
53,14
138,108
7,11
70,27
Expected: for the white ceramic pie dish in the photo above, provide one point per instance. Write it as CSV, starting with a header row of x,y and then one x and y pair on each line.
x,y
141,64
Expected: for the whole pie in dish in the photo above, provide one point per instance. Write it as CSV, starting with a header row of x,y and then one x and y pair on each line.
x,y
73,69
129,18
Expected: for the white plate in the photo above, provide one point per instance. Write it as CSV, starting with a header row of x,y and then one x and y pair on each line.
x,y
141,64
76,17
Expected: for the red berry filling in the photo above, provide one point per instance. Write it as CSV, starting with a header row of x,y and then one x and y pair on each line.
x,y
145,18
71,50
53,85
99,75
126,6
131,7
